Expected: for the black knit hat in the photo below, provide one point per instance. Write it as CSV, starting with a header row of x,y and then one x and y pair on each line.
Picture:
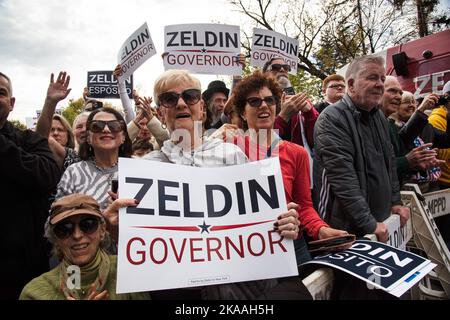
x,y
213,87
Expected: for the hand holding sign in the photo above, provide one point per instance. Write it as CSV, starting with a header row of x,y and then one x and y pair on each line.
x,y
117,71
287,224
58,90
135,51
403,212
382,232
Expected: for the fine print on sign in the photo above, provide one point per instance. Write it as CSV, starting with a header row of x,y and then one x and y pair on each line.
x,y
203,48
200,226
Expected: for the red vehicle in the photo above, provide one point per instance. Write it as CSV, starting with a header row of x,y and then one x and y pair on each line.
x,y
423,65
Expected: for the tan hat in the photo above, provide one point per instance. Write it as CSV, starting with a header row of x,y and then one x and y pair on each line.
x,y
74,204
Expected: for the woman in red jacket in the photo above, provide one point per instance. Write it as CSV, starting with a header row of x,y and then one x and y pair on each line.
x,y
257,99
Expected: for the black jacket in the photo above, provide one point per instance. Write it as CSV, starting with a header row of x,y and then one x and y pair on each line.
x,y
340,154
28,174
321,106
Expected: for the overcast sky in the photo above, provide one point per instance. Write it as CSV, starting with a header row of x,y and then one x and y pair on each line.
x,y
38,37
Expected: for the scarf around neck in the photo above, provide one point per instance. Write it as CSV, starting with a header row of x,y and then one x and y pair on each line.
x,y
96,271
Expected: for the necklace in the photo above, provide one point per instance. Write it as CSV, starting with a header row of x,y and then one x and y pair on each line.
x,y
103,169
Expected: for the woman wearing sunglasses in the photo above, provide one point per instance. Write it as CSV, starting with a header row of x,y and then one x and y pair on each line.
x,y
178,94
77,232
257,100
107,140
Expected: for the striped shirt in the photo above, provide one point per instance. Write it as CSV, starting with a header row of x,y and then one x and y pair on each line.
x,y
84,177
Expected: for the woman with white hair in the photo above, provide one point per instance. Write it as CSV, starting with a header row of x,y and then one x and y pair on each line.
x,y
178,93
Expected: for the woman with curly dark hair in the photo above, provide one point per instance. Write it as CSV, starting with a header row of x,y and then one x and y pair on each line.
x,y
257,100
107,140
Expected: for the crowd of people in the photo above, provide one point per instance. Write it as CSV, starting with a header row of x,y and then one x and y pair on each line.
x,y
343,162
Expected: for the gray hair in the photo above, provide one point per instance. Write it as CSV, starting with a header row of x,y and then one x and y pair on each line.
x,y
357,64
84,113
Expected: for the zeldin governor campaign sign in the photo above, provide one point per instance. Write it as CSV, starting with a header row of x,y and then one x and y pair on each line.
x,y
200,226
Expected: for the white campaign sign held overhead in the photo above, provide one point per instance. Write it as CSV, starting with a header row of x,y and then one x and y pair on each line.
x,y
268,44
200,226
203,48
135,51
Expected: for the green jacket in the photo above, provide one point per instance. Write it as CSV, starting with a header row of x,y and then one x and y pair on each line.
x,y
400,151
47,286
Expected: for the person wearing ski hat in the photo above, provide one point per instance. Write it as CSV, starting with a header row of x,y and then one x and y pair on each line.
x,y
215,97
77,230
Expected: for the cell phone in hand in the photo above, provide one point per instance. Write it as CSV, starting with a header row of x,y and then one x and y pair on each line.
x,y
289,91
114,185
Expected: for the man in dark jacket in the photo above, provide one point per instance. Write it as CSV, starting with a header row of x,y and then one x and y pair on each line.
x,y
216,97
409,158
28,174
359,186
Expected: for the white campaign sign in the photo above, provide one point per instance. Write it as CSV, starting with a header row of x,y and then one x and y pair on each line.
x,y
203,48
135,51
268,44
398,236
200,226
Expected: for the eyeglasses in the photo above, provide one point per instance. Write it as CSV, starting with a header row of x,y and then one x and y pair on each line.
x,y
277,67
337,86
170,99
64,230
97,126
257,102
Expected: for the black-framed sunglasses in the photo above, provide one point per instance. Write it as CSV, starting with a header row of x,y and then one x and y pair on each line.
x,y
256,102
170,99
277,67
64,230
97,126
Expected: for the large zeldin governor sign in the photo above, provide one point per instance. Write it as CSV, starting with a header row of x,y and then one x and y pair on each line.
x,y
200,226
203,48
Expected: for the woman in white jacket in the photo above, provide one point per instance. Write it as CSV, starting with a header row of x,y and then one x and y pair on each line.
x,y
179,95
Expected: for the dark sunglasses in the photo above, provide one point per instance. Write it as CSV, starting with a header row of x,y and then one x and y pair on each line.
x,y
170,99
97,126
257,102
64,230
277,67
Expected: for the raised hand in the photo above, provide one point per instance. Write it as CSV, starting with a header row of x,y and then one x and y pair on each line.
x,y
145,107
117,71
291,105
429,102
58,90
